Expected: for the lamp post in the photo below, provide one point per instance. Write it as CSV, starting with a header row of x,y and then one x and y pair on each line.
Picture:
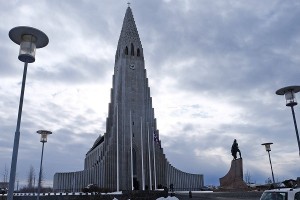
x,y
44,135
289,93
29,39
268,149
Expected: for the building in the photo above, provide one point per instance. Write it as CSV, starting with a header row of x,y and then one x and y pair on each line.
x,y
4,184
129,155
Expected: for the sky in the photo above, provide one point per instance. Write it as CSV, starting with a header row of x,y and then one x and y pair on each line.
x,y
213,69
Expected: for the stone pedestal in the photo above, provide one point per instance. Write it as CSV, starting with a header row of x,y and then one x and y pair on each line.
x,y
234,178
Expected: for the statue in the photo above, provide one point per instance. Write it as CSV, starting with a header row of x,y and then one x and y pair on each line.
x,y
235,149
234,177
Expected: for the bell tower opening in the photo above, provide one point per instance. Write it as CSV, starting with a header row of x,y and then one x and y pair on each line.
x,y
132,49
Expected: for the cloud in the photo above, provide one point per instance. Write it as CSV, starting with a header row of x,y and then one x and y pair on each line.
x,y
213,70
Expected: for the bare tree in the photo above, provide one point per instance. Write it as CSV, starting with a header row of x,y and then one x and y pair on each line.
x,y
5,174
247,176
34,181
31,176
268,181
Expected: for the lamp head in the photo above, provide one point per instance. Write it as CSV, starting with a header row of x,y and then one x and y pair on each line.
x,y
44,135
29,39
267,146
289,93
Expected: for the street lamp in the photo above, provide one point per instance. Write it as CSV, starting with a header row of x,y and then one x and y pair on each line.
x,y
29,39
44,135
268,149
289,93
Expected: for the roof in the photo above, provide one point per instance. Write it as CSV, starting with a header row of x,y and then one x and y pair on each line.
x,y
98,141
129,33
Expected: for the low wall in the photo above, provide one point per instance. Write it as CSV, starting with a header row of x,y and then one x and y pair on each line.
x,y
146,195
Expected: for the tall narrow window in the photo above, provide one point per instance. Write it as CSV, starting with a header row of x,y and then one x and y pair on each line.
x,y
126,50
132,50
134,162
138,53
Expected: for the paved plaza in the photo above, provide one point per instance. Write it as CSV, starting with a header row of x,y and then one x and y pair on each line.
x,y
221,196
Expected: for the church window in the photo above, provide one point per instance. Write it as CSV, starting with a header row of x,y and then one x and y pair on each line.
x,y
132,49
134,162
138,53
126,50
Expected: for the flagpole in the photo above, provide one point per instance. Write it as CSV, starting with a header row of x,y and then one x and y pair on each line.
x,y
118,178
131,151
142,152
155,186
149,155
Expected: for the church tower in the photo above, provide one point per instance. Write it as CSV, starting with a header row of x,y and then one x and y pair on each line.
x,y
131,123
128,156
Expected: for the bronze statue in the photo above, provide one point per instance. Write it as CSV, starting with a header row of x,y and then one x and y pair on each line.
x,y
235,149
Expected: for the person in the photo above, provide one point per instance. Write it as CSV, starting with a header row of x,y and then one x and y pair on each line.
x,y
166,191
235,149
171,187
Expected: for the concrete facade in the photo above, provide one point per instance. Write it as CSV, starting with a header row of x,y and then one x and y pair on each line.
x,y
128,156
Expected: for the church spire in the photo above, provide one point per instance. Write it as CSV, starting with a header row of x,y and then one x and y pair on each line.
x,y
129,34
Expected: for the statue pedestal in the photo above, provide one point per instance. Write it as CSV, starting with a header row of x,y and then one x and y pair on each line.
x,y
234,178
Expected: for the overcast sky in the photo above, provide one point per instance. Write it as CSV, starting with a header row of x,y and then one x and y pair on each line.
x,y
213,69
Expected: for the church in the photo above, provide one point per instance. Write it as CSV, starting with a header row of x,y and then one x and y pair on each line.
x,y
128,156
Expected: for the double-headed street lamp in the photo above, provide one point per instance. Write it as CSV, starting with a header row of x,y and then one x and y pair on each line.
x,y
289,93
268,149
29,39
44,135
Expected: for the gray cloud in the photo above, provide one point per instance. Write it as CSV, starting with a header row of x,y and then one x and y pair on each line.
x,y
213,69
